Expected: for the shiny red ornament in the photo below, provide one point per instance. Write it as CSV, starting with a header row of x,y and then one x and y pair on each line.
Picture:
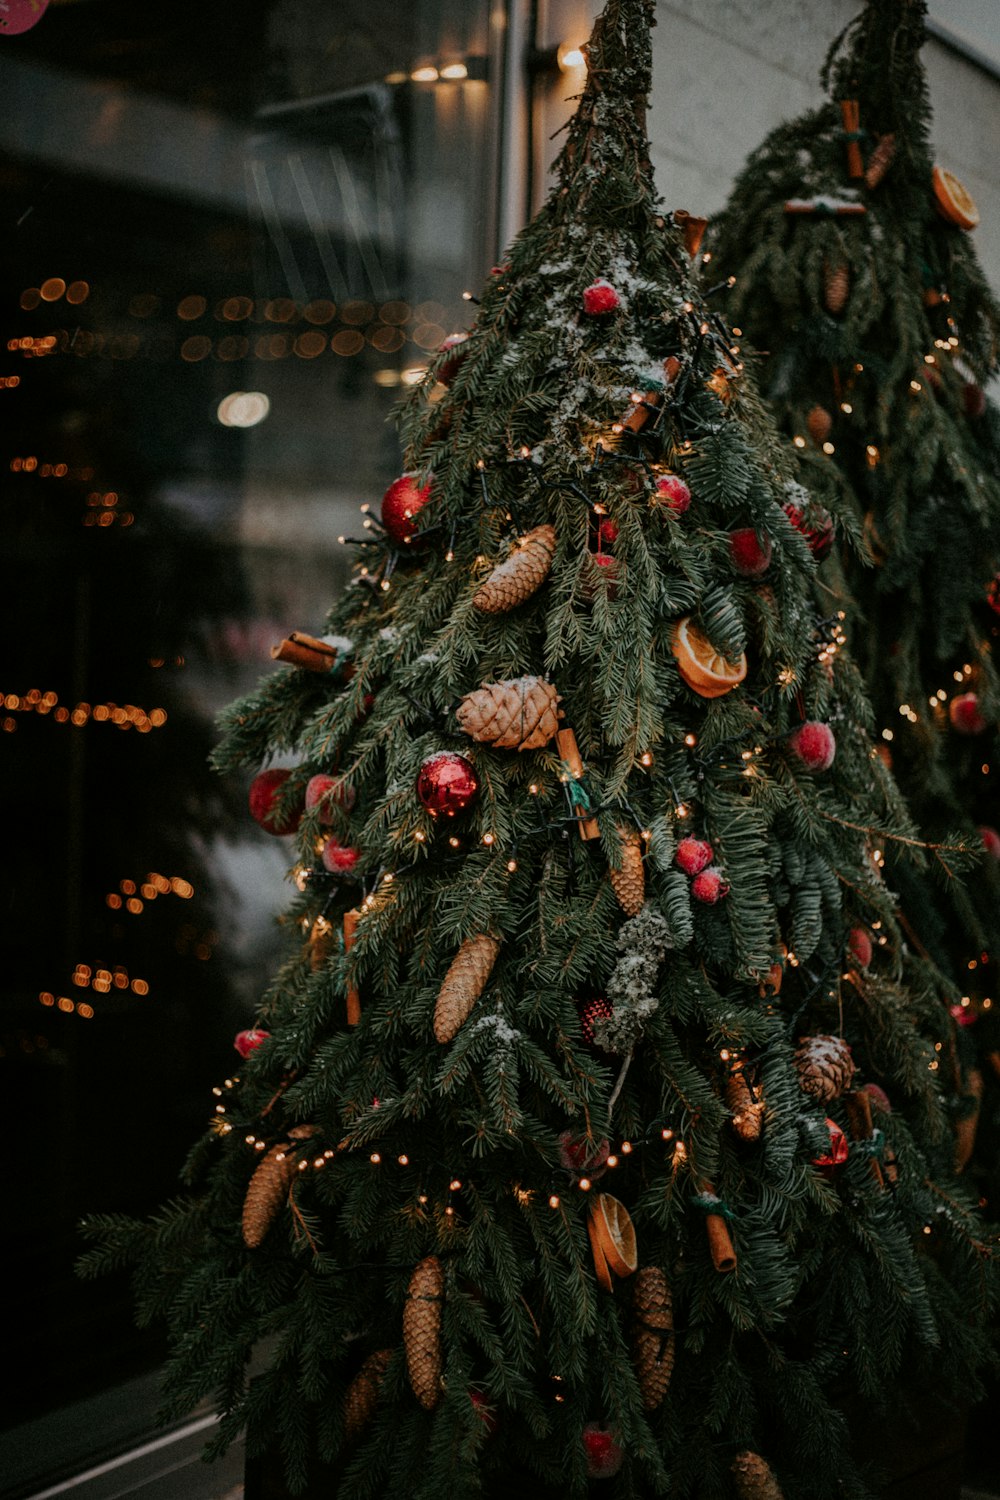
x,y
600,298
818,530
583,1157
990,838
839,1148
693,856
339,859
447,783
993,594
447,371
401,502
589,1011
265,794
859,946
963,711
604,1456
750,551
672,492
813,745
323,792
246,1042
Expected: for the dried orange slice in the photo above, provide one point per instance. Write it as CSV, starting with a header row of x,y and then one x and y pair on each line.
x,y
612,1239
953,200
703,668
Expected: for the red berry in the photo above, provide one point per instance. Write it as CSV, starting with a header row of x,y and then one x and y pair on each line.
x,y
674,493
751,552
447,371
991,840
859,946
963,711
813,745
582,1156
339,859
400,503
246,1042
709,886
818,530
600,297
265,794
604,1456
323,791
693,855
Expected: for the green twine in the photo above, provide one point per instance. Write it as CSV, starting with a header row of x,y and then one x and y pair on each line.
x,y
711,1205
576,791
873,1146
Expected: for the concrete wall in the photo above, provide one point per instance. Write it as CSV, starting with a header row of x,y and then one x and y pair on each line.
x,y
725,72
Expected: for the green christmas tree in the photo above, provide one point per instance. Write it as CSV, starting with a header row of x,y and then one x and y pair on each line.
x,y
563,1155
856,272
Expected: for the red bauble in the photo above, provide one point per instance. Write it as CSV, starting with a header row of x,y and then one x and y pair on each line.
x,y
674,493
750,551
265,793
589,1011
449,369
818,530
878,1096
609,570
813,745
859,946
839,1148
600,297
693,855
323,791
447,783
484,1411
246,1042
973,399
709,886
339,859
401,502
993,594
991,839
964,714
586,1158
604,1456
608,531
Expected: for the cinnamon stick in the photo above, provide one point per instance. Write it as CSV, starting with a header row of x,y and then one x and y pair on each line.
x,y
859,1115
351,919
850,115
569,752
720,1241
820,205
301,650
692,228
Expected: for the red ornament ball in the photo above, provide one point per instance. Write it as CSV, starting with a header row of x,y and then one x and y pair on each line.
x,y
672,492
604,1456
813,745
265,794
323,791
818,530
750,552
447,783
582,1156
709,886
839,1148
447,371
963,711
609,573
339,859
246,1042
859,946
600,297
608,531
401,502
595,1009
991,840
993,594
693,856
878,1096
484,1411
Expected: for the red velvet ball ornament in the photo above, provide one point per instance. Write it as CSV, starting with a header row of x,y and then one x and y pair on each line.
x,y
818,532
839,1148
323,791
859,946
878,1096
709,886
609,568
604,1456
583,1157
447,783
993,594
339,859
449,369
265,792
595,1009
750,551
600,297
246,1042
991,840
693,856
963,711
673,492
813,745
401,502
608,531
484,1411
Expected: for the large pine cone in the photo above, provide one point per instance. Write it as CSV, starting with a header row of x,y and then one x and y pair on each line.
x,y
361,1397
753,1478
464,983
652,1335
515,580
522,714
268,1187
746,1106
629,880
880,160
825,1066
836,286
422,1331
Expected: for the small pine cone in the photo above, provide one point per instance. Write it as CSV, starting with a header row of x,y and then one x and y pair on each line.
x,y
522,714
629,880
268,1188
836,286
747,1106
819,423
880,160
754,1479
653,1335
361,1398
524,571
422,1331
825,1066
464,983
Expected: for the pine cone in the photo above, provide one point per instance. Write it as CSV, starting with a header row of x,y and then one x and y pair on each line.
x,y
836,286
652,1335
515,580
522,714
746,1106
361,1398
880,160
754,1479
464,983
825,1066
819,423
629,880
422,1331
268,1187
